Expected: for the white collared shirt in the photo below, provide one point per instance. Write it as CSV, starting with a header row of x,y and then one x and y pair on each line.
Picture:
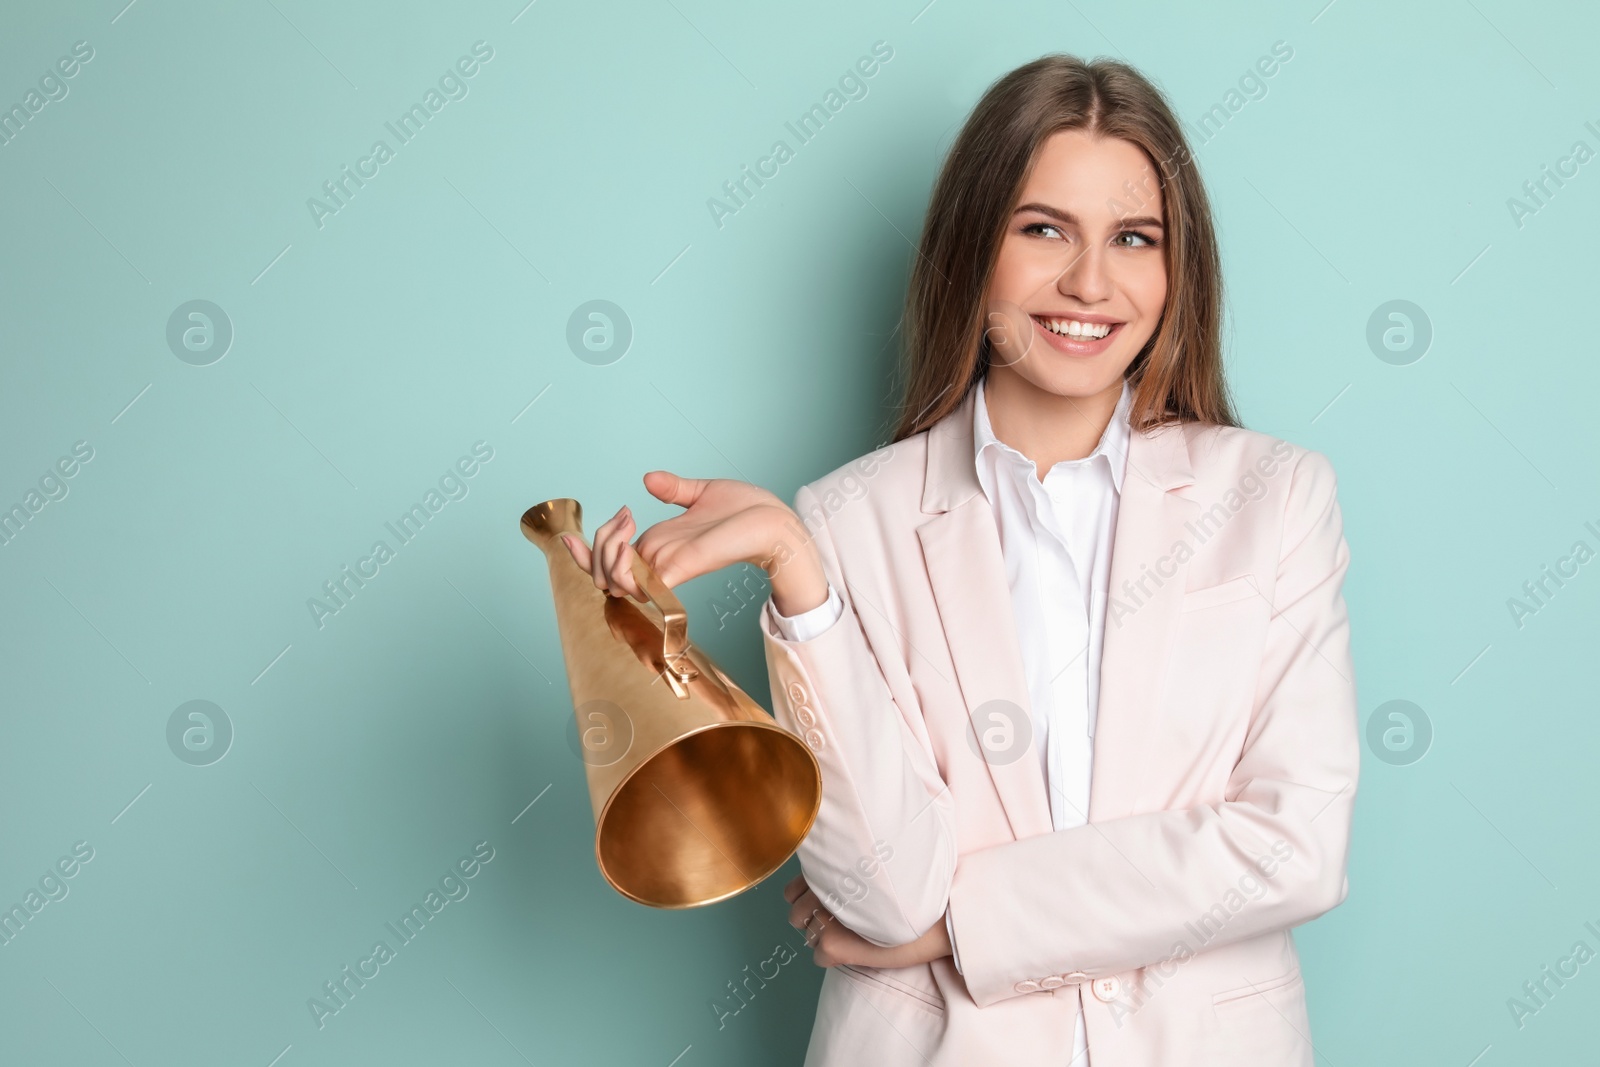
x,y
1055,539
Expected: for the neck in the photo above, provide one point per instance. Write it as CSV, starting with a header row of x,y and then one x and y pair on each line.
x,y
1046,427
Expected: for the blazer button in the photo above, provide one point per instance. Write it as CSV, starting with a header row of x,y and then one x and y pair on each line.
x,y
1075,976
1107,988
1027,985
797,693
1054,981
814,739
804,714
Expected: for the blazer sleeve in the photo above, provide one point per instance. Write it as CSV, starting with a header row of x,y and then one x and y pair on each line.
x,y
1111,896
882,851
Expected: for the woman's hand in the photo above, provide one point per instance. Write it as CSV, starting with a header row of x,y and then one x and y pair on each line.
x,y
726,522
833,943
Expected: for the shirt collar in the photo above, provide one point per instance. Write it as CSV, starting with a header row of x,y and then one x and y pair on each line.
x,y
1113,442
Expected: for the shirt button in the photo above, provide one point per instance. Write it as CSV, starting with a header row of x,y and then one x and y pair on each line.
x,y
805,715
797,693
814,739
1075,976
1107,988
1054,981
1027,985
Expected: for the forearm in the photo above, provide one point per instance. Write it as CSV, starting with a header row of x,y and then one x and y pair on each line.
x,y
881,853
1109,897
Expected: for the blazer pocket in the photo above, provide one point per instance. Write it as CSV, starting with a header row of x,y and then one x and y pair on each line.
x,y
1228,996
911,994
1211,596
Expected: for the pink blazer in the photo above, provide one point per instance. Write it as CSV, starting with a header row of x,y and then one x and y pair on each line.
x,y
1225,762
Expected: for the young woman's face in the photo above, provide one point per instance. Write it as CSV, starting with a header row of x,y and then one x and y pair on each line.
x,y
1081,277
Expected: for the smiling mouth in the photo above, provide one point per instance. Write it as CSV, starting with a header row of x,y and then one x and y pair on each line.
x,y
1076,329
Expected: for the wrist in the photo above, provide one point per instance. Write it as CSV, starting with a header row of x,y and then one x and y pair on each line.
x,y
794,568
796,590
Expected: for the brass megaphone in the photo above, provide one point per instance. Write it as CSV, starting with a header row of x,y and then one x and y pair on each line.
x,y
698,793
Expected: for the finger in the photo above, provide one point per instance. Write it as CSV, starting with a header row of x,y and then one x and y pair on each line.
x,y
624,572
818,928
578,550
613,552
624,565
833,950
811,919
669,487
619,562
796,886
824,946
802,908
603,537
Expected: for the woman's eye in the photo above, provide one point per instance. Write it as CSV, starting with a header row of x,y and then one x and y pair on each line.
x,y
1148,242
1037,229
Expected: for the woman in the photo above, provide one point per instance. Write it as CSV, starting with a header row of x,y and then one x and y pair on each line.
x,y
1072,650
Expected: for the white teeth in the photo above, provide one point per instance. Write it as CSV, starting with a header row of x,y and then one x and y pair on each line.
x,y
1089,331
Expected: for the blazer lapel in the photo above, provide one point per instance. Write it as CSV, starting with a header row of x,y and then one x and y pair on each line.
x,y
961,549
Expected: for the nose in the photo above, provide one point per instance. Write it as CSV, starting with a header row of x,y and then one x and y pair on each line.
x,y
1087,277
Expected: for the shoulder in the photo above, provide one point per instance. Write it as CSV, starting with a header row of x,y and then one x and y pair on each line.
x,y
863,492
1233,454
1236,466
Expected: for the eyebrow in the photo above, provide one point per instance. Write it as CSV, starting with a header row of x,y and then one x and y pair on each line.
x,y
1072,220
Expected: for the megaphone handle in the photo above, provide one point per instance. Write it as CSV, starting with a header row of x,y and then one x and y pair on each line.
x,y
675,621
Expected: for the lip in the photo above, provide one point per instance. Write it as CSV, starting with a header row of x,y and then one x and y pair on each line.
x,y
1074,347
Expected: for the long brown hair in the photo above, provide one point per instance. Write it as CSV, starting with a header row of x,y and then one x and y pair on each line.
x,y
1177,376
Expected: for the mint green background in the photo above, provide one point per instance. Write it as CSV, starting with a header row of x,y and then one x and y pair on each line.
x,y
431,711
